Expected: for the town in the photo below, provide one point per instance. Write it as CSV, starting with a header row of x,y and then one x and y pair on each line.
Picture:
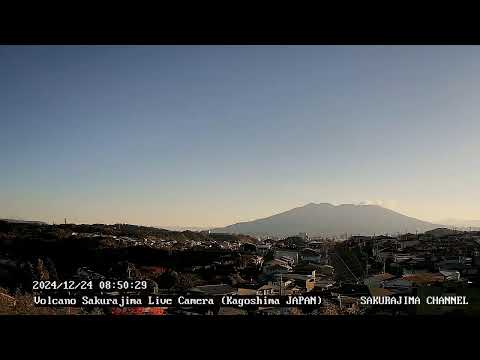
x,y
340,273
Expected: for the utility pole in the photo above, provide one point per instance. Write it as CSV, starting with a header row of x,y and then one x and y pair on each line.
x,y
281,284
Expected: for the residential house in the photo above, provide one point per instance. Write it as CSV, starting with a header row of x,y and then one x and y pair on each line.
x,y
276,266
378,279
451,275
409,242
263,249
293,254
306,282
269,289
248,248
310,255
324,283
398,285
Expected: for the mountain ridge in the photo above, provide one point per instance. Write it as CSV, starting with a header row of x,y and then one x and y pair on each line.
x,y
22,221
327,219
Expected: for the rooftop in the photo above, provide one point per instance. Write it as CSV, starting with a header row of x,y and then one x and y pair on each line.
x,y
381,277
220,289
424,278
375,291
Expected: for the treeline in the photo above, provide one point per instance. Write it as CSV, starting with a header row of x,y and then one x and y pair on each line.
x,y
26,249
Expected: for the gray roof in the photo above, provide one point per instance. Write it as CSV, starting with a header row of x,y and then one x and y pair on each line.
x,y
220,289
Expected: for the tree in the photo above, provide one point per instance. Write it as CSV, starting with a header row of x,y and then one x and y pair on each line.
x,y
186,281
50,267
167,280
41,270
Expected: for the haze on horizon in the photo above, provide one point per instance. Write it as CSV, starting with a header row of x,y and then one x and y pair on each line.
x,y
213,135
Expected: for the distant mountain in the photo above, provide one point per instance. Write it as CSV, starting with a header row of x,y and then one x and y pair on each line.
x,y
183,228
328,219
440,232
461,223
17,221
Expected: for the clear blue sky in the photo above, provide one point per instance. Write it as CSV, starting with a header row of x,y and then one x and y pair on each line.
x,y
211,135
